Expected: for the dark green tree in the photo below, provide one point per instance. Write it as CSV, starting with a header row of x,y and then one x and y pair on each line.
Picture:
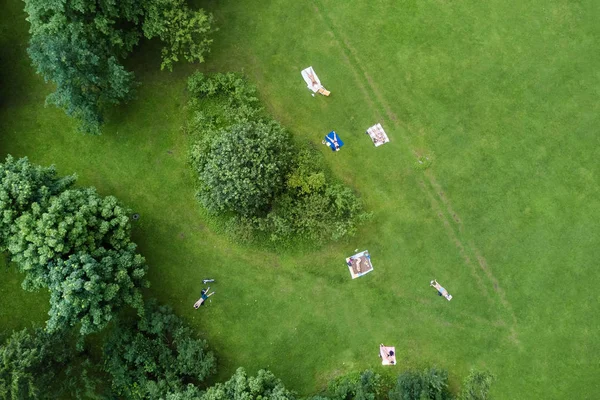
x,y
88,289
243,168
264,386
159,355
183,31
430,384
30,362
364,386
190,392
75,221
21,185
79,45
476,386
71,241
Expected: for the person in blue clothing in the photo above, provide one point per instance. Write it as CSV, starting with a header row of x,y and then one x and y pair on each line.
x,y
203,296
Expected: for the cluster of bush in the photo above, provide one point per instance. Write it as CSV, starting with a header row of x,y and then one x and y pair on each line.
x,y
251,171
429,384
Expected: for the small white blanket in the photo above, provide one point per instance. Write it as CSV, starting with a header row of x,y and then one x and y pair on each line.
x,y
378,135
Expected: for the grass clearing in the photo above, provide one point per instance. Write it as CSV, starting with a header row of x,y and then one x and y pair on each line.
x,y
504,94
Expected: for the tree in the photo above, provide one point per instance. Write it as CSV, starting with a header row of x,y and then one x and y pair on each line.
x,y
364,386
263,386
71,241
244,167
159,355
477,386
21,185
79,45
75,221
29,362
183,31
430,384
88,289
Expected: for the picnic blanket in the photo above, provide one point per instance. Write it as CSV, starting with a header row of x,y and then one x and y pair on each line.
x,y
313,82
441,290
387,354
359,264
378,135
333,141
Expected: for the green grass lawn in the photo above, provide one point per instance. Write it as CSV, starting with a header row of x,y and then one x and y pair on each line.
x,y
504,96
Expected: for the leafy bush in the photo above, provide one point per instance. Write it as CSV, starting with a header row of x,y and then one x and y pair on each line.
x,y
364,386
158,355
264,386
430,384
244,168
477,386
23,184
249,169
231,87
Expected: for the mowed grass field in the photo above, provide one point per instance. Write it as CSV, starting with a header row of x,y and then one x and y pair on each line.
x,y
502,95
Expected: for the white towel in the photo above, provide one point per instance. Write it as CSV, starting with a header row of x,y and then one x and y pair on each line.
x,y
309,75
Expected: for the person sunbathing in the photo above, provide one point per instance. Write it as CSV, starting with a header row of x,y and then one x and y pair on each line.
x,y
440,289
335,143
312,79
358,262
203,296
387,355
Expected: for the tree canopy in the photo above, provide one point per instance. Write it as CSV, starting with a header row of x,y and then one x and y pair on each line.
x,y
244,167
74,242
88,289
364,386
21,185
240,386
429,384
156,356
79,45
74,221
29,362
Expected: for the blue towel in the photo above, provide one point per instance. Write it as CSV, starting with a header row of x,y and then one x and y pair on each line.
x,y
331,138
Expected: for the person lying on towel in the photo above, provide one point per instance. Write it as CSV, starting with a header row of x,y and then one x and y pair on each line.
x,y
203,296
387,354
315,83
355,263
332,142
